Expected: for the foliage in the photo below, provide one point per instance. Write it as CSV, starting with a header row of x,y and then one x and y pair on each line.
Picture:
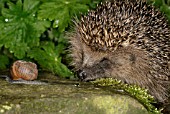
x,y
34,30
4,61
66,9
29,26
163,5
135,91
20,31
46,54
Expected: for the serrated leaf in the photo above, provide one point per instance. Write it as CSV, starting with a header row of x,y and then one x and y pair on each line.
x,y
158,3
59,49
48,59
166,9
20,27
4,60
49,10
30,6
78,8
62,21
41,26
19,49
60,12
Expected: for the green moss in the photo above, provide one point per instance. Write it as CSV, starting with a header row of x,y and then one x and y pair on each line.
x,y
64,97
133,90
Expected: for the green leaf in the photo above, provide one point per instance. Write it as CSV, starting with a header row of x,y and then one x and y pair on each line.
x,y
30,6
158,3
59,49
41,26
4,61
60,12
20,29
49,59
24,24
19,49
166,9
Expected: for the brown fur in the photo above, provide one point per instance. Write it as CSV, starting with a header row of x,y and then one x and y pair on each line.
x,y
129,61
127,64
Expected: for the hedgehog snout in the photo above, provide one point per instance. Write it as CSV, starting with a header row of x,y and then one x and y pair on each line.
x,y
81,74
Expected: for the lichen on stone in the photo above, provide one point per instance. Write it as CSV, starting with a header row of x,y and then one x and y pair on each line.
x,y
135,91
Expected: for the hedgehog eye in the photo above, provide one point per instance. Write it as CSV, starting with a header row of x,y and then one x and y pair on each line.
x,y
104,59
105,63
132,58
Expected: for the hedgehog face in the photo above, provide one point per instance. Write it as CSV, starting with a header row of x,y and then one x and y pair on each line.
x,y
127,40
121,64
127,64
83,56
92,64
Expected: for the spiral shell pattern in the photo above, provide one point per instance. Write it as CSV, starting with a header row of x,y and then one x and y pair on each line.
x,y
24,70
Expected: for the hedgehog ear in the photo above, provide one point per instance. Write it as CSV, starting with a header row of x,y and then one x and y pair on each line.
x,y
105,63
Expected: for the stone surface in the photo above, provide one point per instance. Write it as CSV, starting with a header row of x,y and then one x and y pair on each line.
x,y
64,97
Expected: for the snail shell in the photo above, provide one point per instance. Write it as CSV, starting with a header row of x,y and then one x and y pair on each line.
x,y
24,70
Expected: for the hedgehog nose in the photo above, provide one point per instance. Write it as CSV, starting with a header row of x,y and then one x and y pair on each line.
x,y
81,74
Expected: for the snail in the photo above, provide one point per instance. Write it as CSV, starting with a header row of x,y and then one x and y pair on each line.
x,y
23,72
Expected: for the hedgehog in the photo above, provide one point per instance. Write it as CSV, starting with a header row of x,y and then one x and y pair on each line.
x,y
128,40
